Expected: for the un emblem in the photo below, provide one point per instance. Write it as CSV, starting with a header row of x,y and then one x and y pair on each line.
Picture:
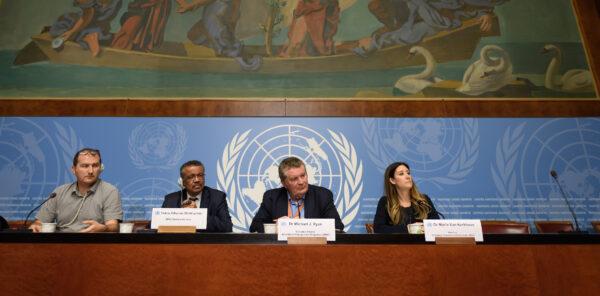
x,y
157,145
440,151
30,165
569,146
526,189
140,196
249,167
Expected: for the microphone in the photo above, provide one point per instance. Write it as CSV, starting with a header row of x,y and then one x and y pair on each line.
x,y
564,196
52,195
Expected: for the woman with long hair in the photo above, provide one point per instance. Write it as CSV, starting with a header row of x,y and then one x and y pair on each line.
x,y
402,203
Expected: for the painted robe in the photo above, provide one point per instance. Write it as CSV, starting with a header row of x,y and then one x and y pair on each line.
x,y
104,13
423,18
314,24
143,25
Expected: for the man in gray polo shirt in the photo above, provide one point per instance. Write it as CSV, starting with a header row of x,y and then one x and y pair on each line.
x,y
87,205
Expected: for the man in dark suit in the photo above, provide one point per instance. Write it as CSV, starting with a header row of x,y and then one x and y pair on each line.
x,y
195,195
296,199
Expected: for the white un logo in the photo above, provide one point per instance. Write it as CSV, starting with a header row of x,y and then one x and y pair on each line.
x,y
31,164
571,147
440,151
249,167
157,144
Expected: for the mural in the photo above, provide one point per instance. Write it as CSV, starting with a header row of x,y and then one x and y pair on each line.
x,y
292,48
495,169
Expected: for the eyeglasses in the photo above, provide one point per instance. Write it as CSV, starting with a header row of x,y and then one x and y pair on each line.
x,y
91,152
192,177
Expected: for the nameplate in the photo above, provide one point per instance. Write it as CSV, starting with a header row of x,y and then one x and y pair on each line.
x,y
305,228
452,228
179,217
176,229
292,240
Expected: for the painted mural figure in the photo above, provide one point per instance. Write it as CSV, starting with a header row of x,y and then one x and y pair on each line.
x,y
143,25
409,21
313,26
88,27
391,13
216,29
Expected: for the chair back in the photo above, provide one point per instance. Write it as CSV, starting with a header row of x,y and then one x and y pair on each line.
x,y
554,226
596,226
140,225
18,224
369,228
504,227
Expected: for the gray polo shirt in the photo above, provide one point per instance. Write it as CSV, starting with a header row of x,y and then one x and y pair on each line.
x,y
101,204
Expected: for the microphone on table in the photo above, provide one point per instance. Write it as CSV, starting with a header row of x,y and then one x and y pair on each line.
x,y
52,195
564,196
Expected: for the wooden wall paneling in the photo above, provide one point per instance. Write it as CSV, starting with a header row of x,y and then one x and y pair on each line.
x,y
159,269
589,26
206,108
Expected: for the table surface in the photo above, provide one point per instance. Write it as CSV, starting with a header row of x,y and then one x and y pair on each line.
x,y
151,237
259,264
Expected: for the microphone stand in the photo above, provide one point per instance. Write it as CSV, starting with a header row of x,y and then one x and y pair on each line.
x,y
52,195
564,196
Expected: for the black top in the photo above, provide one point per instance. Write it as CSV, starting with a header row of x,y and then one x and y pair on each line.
x,y
3,223
318,203
213,200
383,224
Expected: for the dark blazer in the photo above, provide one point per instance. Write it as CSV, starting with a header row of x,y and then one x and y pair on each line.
x,y
3,223
318,203
383,224
218,219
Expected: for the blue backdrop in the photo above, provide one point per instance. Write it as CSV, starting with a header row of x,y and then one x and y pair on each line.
x,y
471,168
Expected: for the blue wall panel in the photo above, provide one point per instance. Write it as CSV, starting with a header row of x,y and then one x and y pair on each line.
x,y
471,168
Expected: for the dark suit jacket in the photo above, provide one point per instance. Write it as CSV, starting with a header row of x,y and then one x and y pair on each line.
x,y
218,219
3,223
318,203
383,224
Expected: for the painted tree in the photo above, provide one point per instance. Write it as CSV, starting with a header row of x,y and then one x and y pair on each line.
x,y
274,18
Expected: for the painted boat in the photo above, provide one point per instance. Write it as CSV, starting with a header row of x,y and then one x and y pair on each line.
x,y
451,45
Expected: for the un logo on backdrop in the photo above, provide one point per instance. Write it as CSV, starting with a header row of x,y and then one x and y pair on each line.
x,y
30,164
572,148
249,167
440,151
157,144
568,146
141,195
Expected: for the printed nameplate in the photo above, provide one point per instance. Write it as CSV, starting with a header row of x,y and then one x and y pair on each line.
x,y
179,217
452,228
305,228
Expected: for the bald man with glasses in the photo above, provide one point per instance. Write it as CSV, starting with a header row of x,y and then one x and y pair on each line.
x,y
195,194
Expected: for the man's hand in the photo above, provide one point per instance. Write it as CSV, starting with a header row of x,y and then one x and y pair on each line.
x,y
36,226
67,35
183,6
189,204
93,226
485,23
